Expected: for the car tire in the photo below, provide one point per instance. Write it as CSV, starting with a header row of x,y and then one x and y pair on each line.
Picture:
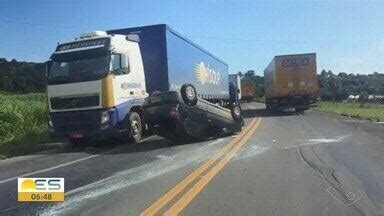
x,y
134,127
189,94
236,113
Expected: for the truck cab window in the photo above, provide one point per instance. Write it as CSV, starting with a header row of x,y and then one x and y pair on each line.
x,y
119,64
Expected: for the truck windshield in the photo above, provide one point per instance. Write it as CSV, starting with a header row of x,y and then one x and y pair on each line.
x,y
67,68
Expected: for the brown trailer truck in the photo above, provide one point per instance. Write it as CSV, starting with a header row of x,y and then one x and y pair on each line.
x,y
291,82
247,91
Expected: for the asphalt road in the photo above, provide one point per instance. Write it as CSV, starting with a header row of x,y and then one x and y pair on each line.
x,y
281,164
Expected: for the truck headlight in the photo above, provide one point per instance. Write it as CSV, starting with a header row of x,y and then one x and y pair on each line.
x,y
104,117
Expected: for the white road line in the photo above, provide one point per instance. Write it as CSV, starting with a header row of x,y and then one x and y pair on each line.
x,y
79,196
149,165
8,209
66,164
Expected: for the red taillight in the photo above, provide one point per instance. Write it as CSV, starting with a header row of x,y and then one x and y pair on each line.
x,y
174,113
76,136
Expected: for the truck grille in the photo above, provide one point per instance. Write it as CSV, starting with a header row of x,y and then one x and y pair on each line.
x,y
74,102
86,121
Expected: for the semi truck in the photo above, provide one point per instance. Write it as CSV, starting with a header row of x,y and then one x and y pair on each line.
x,y
291,82
97,83
96,87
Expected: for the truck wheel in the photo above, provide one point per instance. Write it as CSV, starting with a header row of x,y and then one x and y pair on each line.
x,y
135,127
236,113
189,95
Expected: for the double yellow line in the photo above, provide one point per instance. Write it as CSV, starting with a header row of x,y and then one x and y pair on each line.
x,y
202,175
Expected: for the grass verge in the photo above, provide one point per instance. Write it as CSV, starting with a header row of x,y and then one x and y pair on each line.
x,y
374,112
23,124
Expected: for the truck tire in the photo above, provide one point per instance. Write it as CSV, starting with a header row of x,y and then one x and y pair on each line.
x,y
236,113
135,127
189,94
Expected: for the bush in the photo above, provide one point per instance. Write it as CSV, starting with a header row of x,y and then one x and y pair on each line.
x,y
22,115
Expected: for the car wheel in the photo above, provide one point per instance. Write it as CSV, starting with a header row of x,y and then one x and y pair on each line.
x,y
237,113
189,94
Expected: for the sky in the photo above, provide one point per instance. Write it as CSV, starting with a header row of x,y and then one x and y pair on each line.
x,y
347,36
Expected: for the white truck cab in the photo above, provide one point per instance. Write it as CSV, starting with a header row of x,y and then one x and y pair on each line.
x,y
96,87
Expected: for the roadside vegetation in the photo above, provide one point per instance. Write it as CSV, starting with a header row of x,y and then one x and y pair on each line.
x,y
23,123
371,111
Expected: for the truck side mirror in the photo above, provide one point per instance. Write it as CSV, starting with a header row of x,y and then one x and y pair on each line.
x,y
125,63
119,64
47,67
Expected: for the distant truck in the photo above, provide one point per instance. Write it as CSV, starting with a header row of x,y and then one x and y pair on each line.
x,y
236,80
291,82
97,84
247,91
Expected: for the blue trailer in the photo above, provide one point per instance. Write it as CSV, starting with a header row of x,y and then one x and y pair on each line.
x,y
188,86
171,60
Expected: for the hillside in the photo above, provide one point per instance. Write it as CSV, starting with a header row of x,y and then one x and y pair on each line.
x,y
21,77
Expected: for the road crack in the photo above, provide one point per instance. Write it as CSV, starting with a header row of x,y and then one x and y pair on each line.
x,y
339,191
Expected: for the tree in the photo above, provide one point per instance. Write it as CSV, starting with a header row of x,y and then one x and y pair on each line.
x,y
334,86
7,84
249,74
363,98
21,77
321,79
